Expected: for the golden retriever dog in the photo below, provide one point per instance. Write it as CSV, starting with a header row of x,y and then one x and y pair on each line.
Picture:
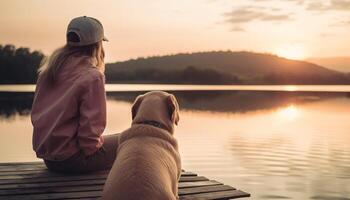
x,y
148,164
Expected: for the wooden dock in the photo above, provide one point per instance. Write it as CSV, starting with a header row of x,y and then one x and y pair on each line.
x,y
32,180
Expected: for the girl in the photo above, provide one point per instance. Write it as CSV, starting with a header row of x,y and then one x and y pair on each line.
x,y
69,107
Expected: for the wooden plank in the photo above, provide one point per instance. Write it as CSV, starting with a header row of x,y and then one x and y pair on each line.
x,y
93,182
198,184
21,168
21,163
52,184
66,195
229,194
54,179
19,180
219,192
188,174
32,180
182,191
84,198
46,172
96,194
40,171
26,167
4,167
51,190
41,174
192,178
196,190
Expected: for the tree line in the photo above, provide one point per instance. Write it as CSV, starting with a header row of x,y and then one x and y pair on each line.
x,y
190,75
19,65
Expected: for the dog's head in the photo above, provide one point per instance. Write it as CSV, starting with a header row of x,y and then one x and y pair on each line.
x,y
158,106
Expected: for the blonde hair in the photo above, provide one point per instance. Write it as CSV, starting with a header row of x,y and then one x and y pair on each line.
x,y
60,56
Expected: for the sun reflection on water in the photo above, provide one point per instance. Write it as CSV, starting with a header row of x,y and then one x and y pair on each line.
x,y
289,113
290,88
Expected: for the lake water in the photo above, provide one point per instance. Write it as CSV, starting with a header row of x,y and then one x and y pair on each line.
x,y
283,144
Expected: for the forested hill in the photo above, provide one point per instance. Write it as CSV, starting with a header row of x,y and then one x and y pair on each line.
x,y
222,67
19,65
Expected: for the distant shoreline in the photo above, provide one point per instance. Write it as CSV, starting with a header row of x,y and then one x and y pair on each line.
x,y
182,87
209,68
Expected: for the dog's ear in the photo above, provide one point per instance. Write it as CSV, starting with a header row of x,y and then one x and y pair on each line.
x,y
136,106
173,109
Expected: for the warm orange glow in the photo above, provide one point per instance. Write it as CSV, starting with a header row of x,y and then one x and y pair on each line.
x,y
170,27
295,52
290,88
289,113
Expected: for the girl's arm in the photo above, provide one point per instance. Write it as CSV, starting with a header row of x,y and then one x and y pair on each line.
x,y
92,120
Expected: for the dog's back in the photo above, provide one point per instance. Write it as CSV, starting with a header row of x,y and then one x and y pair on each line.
x,y
148,166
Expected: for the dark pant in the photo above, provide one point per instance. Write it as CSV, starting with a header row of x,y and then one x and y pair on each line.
x,y
102,159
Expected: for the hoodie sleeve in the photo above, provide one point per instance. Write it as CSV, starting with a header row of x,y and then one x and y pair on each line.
x,y
92,120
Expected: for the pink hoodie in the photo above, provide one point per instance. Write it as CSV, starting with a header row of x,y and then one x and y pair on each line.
x,y
71,115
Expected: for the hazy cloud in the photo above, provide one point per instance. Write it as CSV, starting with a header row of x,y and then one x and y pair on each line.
x,y
332,5
237,29
296,1
340,4
340,23
326,34
275,9
247,14
318,6
262,11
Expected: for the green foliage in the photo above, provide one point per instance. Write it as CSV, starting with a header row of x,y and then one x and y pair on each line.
x,y
222,67
190,75
18,65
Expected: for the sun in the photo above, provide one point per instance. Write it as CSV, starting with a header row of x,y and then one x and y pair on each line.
x,y
291,51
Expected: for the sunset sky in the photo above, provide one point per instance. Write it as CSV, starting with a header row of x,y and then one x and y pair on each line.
x,y
290,28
